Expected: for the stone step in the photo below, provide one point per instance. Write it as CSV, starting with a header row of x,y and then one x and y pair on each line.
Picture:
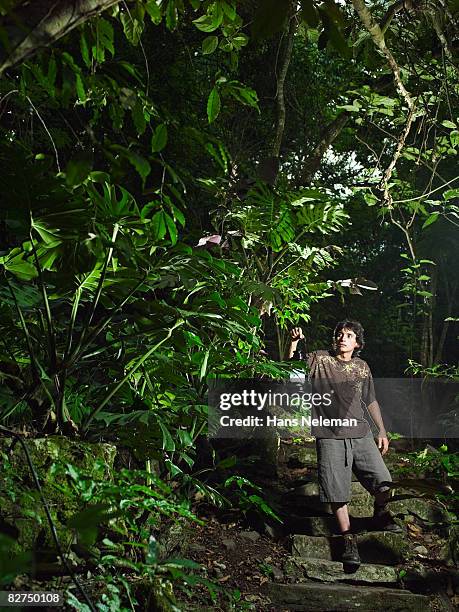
x,y
425,509
305,455
302,570
298,455
320,525
314,597
311,488
360,506
379,547
306,497
313,525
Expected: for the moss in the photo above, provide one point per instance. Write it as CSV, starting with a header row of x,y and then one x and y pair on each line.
x,y
156,595
20,504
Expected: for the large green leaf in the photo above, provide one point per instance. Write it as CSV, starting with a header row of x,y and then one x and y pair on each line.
x,y
133,24
212,20
209,44
158,223
213,105
159,139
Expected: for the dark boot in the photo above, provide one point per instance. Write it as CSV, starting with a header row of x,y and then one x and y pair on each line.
x,y
351,553
383,520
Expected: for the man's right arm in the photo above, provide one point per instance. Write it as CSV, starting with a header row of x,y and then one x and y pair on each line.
x,y
296,335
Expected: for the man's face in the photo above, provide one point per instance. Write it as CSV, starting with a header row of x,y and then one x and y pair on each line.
x,y
346,340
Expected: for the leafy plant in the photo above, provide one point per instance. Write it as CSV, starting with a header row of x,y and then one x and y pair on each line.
x,y
250,501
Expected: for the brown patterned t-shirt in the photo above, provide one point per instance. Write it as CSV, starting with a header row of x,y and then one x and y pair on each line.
x,y
350,388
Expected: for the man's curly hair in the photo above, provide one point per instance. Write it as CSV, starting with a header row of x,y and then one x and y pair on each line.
x,y
354,326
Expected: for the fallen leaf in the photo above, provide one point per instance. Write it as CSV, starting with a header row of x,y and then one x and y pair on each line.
x,y
414,529
224,578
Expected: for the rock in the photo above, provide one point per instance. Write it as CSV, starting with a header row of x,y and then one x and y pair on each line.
x,y
20,505
312,525
299,455
156,594
418,577
278,575
174,538
307,498
421,550
269,447
197,548
424,509
332,571
374,547
310,489
275,531
229,544
313,597
446,554
250,535
361,505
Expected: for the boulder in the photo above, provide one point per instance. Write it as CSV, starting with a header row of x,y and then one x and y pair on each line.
x,y
306,499
374,547
313,597
425,509
332,571
22,515
299,455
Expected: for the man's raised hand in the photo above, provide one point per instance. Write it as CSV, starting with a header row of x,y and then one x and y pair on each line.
x,y
296,334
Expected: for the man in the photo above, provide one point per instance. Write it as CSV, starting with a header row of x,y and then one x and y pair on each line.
x,y
342,449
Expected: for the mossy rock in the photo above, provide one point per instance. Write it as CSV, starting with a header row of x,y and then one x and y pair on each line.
x,y
332,571
425,509
156,595
374,547
22,515
174,538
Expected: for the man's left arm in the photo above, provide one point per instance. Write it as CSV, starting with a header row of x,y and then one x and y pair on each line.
x,y
375,413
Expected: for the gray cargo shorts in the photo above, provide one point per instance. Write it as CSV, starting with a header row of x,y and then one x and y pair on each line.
x,y
337,459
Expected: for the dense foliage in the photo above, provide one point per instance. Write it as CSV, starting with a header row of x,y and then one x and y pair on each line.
x,y
183,181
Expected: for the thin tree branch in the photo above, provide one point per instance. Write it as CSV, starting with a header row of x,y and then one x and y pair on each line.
x,y
329,135
378,38
442,38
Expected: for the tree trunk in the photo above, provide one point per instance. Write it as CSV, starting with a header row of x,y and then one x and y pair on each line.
x,y
268,168
280,96
37,24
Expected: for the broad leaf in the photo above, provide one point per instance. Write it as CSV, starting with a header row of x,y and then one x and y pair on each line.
x,y
159,139
213,105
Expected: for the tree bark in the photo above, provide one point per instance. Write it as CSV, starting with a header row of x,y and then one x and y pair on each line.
x,y
268,168
378,38
280,97
39,23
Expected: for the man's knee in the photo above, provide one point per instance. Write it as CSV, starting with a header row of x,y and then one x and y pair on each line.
x,y
338,505
383,487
